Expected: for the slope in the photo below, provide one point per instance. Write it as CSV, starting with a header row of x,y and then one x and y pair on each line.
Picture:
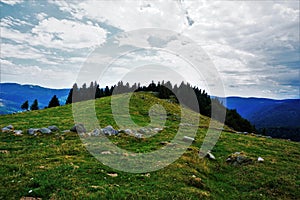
x,y
58,166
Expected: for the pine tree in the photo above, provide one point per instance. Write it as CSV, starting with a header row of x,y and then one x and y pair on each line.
x,y
34,105
25,105
69,99
53,102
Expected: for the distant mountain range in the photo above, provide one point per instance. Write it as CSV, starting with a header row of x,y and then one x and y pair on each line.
x,y
13,95
265,113
277,118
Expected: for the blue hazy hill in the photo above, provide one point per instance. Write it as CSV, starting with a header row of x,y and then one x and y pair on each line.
x,y
12,95
264,113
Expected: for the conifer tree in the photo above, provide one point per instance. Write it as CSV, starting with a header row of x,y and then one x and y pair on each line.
x,y
53,102
34,105
25,105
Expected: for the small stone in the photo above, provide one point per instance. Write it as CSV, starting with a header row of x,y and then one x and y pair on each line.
x,y
125,154
53,128
78,128
260,159
30,198
18,132
143,131
32,131
138,135
157,129
96,133
45,130
113,175
210,156
105,152
4,151
5,130
109,130
164,143
128,131
188,139
10,127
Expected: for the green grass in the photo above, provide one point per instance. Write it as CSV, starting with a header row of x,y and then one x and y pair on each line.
x,y
58,166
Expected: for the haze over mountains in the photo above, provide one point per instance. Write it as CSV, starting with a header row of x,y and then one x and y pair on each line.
x,y
12,95
278,118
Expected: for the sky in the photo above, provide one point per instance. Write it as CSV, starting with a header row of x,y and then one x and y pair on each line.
x,y
252,46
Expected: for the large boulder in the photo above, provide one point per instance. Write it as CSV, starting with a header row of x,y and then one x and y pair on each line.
x,y
45,130
78,128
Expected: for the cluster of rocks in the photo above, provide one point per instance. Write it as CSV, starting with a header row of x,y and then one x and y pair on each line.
x,y
44,130
109,131
237,158
30,131
253,134
11,129
81,130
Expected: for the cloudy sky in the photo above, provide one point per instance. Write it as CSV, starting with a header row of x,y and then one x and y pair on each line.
x,y
254,45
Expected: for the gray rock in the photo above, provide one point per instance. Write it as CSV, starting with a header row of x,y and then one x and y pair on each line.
x,y
238,158
53,128
78,128
96,133
105,152
32,131
128,131
5,130
241,159
18,132
210,156
138,135
260,159
109,130
143,131
187,139
10,127
45,130
157,129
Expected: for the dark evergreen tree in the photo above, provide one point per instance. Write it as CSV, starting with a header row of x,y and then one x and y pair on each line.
x,y
98,91
53,102
34,105
106,91
69,99
25,105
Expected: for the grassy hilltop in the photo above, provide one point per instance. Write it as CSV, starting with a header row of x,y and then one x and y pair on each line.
x,y
58,166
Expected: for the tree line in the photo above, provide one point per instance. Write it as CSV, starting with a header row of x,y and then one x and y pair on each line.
x,y
192,97
35,105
